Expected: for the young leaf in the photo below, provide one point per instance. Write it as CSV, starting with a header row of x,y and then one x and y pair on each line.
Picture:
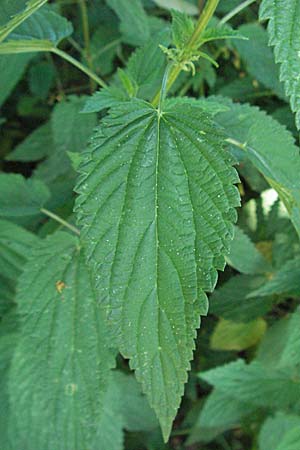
x,y
245,257
284,33
221,32
157,228
61,366
15,18
21,197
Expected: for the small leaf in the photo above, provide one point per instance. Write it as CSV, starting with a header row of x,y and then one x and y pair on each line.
x,y
221,32
153,171
20,196
34,147
230,335
61,366
182,29
245,257
233,299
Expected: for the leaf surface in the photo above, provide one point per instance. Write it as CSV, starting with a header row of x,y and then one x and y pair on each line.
x,y
21,197
15,242
61,366
270,147
15,16
156,209
284,33
244,256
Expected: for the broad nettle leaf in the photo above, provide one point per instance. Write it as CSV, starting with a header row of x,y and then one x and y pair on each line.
x,y
284,33
281,432
61,367
156,208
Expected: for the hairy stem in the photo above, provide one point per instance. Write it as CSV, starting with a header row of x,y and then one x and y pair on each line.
x,y
236,11
60,220
203,20
79,66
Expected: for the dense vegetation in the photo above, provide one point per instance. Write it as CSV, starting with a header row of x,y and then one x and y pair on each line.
x,y
150,175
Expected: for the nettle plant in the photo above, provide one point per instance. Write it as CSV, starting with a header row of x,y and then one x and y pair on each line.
x,y
122,282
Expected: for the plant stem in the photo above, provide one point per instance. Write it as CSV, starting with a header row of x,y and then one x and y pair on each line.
x,y
203,20
236,11
60,220
86,36
79,66
236,143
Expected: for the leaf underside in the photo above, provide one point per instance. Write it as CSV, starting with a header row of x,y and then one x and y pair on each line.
x,y
284,32
156,208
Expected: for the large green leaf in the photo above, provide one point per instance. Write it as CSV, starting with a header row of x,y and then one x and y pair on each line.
x,y
61,366
156,208
34,147
284,33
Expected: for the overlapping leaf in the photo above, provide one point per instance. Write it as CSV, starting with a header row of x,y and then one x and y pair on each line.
x,y
15,16
284,32
156,209
61,366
